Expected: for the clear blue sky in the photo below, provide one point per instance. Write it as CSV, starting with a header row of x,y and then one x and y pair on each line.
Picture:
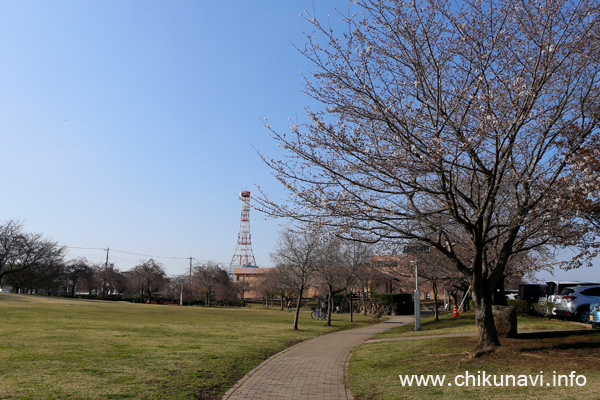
x,y
132,124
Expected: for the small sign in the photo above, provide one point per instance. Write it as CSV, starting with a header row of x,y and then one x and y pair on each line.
x,y
416,249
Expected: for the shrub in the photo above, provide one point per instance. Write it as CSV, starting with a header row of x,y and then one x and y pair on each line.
x,y
543,308
403,302
521,306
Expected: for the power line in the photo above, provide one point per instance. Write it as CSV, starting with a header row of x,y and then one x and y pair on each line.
x,y
147,255
128,252
85,248
140,254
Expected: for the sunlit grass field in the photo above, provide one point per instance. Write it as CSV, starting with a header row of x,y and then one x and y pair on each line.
x,y
375,367
76,349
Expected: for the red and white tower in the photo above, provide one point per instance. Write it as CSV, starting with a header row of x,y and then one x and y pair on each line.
x,y
243,253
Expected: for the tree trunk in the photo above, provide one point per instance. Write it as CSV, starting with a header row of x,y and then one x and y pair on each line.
x,y
435,300
329,305
484,318
351,309
297,314
499,294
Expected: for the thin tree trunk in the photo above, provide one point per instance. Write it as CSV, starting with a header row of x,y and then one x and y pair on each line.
x,y
296,316
435,299
329,306
351,309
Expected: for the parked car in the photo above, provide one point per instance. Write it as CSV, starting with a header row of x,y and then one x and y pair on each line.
x,y
595,314
574,302
554,288
532,292
511,294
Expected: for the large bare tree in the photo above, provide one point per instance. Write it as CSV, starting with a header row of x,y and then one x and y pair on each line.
x,y
448,121
20,251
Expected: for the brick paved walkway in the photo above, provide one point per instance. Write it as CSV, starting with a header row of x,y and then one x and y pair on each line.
x,y
315,369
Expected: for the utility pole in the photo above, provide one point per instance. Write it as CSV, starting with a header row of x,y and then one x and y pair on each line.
x,y
181,292
104,283
190,269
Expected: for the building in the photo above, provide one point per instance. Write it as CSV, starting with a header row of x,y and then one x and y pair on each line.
x,y
396,274
248,280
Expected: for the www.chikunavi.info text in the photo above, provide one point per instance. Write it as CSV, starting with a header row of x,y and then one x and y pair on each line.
x,y
483,379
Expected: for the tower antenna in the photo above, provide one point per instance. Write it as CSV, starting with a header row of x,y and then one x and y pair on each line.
x,y
243,253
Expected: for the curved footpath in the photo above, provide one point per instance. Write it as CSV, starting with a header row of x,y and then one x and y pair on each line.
x,y
314,369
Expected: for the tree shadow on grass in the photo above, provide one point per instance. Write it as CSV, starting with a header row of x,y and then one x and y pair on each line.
x,y
563,340
555,334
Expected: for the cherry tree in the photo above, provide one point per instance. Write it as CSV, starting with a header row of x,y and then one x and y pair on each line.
x,y
447,121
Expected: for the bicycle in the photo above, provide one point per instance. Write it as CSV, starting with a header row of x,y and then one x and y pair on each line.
x,y
318,315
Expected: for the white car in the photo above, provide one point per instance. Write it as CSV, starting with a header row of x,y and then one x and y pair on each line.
x,y
574,302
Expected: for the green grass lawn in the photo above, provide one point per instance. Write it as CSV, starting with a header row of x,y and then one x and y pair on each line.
x,y
465,324
375,367
76,349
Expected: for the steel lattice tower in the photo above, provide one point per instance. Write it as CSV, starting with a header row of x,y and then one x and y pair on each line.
x,y
243,253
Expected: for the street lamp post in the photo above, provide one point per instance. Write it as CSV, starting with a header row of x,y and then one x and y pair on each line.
x,y
417,296
416,249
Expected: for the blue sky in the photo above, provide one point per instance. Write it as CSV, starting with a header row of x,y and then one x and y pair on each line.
x,y
133,124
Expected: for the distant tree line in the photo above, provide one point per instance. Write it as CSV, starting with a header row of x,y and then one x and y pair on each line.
x,y
32,264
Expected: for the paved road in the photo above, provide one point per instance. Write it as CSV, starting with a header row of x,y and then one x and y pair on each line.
x,y
315,369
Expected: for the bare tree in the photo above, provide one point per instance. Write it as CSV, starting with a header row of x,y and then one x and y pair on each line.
x,y
276,282
242,287
297,257
150,276
108,280
20,251
210,276
44,277
444,120
329,271
77,270
355,270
